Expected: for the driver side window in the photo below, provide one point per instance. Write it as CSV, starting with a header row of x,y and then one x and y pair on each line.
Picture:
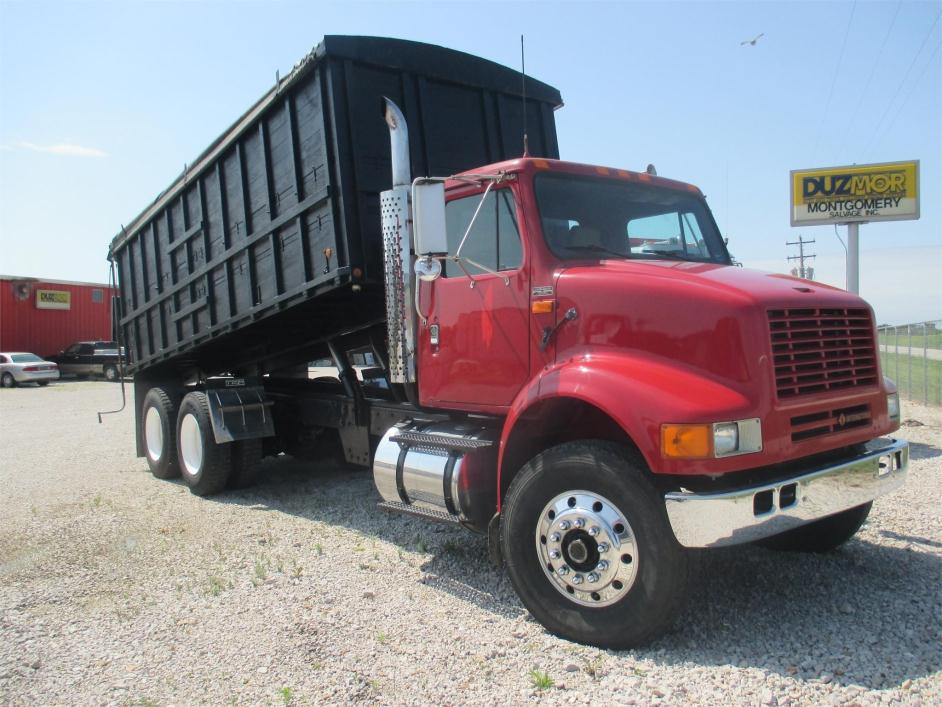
x,y
493,242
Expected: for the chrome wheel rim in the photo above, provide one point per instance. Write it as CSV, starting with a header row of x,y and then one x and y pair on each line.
x,y
587,548
111,374
191,444
153,434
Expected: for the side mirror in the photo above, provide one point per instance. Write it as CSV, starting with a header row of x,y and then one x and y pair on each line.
x,y
428,219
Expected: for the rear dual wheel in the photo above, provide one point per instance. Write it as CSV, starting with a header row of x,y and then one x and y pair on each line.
x,y
179,441
589,548
204,465
158,427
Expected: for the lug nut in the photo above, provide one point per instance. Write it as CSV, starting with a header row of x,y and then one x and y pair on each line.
x,y
594,530
554,554
603,547
562,571
565,525
593,578
555,537
601,566
577,579
579,523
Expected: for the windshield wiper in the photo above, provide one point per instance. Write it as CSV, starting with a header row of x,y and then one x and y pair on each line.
x,y
593,248
672,254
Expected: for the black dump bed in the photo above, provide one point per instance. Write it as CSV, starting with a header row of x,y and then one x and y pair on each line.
x,y
271,240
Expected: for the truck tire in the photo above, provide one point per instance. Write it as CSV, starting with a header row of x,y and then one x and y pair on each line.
x,y
111,373
246,457
158,430
589,548
822,535
204,465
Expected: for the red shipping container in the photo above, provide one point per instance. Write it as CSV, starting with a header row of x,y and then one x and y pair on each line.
x,y
45,316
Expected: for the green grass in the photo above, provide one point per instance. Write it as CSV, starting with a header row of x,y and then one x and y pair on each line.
x,y
916,336
541,680
916,378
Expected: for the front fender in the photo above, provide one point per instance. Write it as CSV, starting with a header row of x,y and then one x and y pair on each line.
x,y
639,392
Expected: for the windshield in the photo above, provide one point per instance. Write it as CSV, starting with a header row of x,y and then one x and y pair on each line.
x,y
585,217
25,358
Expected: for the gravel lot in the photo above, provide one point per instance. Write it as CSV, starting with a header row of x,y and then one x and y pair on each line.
x,y
118,588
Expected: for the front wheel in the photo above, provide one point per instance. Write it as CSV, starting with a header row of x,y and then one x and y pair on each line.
x,y
204,465
589,548
111,373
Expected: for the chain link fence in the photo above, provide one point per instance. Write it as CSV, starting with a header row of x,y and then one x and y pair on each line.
x,y
911,355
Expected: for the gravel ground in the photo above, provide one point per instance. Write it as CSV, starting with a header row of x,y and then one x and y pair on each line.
x,y
118,588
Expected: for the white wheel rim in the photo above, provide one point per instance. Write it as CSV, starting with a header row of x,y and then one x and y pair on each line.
x,y
153,434
191,444
608,565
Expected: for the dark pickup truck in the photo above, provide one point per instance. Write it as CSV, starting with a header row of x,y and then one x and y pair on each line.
x,y
90,358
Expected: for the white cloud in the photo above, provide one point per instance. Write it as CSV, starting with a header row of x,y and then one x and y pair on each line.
x,y
62,149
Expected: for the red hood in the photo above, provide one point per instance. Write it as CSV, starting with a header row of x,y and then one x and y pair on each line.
x,y
712,317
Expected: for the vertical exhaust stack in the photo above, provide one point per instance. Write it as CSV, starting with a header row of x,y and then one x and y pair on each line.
x,y
397,251
399,144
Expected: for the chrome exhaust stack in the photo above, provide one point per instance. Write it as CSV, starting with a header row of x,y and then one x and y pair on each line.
x,y
398,144
397,252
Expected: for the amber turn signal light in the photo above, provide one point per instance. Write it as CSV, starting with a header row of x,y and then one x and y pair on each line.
x,y
542,306
686,441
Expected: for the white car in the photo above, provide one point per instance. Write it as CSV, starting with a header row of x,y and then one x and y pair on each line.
x,y
26,368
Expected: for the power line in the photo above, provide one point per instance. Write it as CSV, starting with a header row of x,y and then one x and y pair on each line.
x,y
873,71
837,70
899,85
912,90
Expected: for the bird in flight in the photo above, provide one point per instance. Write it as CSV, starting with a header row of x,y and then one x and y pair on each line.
x,y
752,42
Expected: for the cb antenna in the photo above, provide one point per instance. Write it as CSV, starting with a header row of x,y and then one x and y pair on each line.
x,y
523,81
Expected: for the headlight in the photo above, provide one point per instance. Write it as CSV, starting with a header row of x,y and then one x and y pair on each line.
x,y
725,438
737,437
720,439
892,406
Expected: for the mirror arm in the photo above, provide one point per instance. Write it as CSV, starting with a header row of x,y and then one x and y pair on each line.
x,y
474,218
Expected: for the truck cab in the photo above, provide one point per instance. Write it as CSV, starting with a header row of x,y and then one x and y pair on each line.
x,y
650,395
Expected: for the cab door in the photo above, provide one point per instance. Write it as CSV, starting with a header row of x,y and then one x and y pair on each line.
x,y
474,348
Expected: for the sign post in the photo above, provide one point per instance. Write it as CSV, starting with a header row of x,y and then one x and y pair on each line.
x,y
854,195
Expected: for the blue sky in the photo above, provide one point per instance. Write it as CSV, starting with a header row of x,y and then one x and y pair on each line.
x,y
102,103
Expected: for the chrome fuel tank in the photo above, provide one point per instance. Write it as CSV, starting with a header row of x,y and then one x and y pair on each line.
x,y
444,468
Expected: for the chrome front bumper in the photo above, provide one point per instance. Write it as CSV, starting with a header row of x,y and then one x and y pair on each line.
x,y
744,515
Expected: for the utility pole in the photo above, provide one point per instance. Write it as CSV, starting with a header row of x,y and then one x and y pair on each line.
x,y
806,273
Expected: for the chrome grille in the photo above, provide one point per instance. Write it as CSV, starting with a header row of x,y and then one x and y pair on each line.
x,y
821,349
827,422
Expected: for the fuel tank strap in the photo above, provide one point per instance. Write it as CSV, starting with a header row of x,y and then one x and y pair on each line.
x,y
400,467
447,478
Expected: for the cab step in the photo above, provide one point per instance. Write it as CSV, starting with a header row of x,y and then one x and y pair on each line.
x,y
436,516
426,439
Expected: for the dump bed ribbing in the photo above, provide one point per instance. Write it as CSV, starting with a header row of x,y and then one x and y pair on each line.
x,y
251,256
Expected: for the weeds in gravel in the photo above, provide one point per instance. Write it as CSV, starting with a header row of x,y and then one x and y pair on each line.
x,y
541,680
593,668
287,694
261,571
217,585
382,637
296,570
319,549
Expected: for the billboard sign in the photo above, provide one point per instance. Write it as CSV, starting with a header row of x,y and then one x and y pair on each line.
x,y
855,194
53,299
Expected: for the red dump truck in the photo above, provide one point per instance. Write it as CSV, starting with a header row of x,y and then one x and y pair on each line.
x,y
565,358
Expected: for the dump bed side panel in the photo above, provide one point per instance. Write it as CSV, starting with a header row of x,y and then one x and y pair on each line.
x,y
252,255
243,238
